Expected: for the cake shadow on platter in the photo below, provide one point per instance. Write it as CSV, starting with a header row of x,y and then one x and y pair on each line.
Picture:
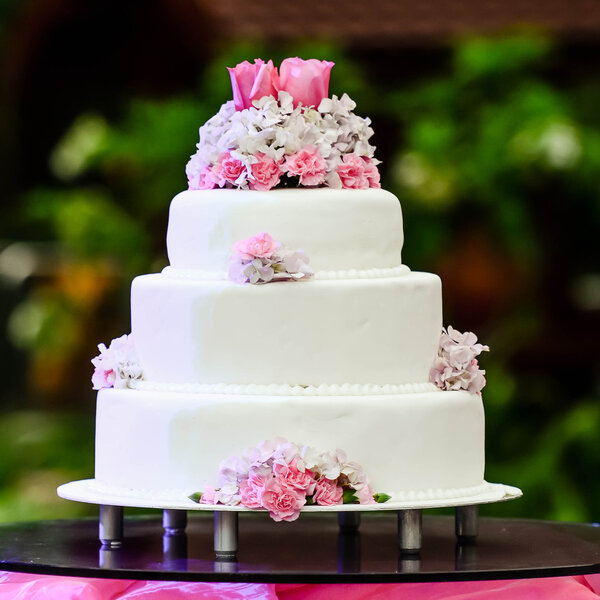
x,y
287,360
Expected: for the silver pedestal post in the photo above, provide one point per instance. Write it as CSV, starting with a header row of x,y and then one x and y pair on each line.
x,y
409,530
349,522
174,521
111,526
226,534
466,522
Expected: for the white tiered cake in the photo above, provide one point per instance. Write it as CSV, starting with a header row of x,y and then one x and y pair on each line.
x,y
349,357
341,361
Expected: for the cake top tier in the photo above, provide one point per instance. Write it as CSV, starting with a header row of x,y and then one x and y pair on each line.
x,y
342,231
282,130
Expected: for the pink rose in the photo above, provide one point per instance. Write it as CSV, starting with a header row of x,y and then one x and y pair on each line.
x,y
307,81
229,170
208,495
253,81
251,489
352,173
291,476
257,246
371,172
308,164
327,493
266,172
365,495
282,502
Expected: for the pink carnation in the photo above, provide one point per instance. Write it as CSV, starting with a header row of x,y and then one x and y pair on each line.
x,y
251,489
257,246
229,170
307,81
282,502
371,172
208,495
308,164
103,378
352,173
201,180
265,172
292,477
327,493
253,81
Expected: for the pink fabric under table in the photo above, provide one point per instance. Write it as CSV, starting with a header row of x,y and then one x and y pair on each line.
x,y
22,586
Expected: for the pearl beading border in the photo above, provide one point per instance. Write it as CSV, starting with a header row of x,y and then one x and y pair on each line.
x,y
171,493
252,389
374,273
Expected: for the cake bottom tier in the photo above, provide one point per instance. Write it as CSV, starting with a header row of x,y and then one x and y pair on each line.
x,y
413,445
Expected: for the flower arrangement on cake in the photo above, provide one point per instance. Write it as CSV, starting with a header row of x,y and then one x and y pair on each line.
x,y
456,366
282,130
260,259
282,477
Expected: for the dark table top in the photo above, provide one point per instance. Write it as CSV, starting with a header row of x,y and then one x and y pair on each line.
x,y
309,550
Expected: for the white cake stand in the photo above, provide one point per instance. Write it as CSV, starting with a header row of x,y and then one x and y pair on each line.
x,y
112,501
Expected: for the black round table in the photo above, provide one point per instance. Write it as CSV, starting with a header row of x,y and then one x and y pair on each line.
x,y
309,550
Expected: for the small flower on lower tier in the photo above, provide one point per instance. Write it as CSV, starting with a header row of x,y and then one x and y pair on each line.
x,y
116,366
260,259
282,477
456,366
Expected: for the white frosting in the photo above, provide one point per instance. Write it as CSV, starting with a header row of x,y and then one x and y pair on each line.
x,y
356,331
339,361
339,230
423,445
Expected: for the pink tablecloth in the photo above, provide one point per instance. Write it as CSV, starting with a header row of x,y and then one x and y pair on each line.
x,y
20,586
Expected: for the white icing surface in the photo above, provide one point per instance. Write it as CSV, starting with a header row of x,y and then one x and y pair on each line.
x,y
339,230
414,446
369,331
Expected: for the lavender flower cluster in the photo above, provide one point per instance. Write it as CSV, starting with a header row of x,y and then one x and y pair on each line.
x,y
456,366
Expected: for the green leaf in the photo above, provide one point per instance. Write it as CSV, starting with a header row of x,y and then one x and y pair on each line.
x,y
196,497
380,497
349,496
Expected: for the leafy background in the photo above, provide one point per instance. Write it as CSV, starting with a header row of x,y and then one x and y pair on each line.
x,y
493,149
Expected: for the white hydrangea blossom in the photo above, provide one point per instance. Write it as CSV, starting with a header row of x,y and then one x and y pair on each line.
x,y
273,127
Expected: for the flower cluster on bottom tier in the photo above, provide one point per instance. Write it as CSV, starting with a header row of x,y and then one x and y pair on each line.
x,y
282,477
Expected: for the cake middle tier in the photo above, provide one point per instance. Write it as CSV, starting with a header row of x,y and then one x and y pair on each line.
x,y
357,331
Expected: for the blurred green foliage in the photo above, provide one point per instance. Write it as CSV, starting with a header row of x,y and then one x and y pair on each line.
x,y
496,168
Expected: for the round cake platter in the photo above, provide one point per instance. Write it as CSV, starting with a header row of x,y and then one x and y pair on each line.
x,y
91,492
175,508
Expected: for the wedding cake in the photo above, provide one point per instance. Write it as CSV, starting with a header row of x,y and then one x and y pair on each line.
x,y
287,356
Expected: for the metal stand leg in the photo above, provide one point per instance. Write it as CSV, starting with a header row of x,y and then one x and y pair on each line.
x,y
226,535
111,526
466,522
409,530
174,521
348,554
109,558
349,522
